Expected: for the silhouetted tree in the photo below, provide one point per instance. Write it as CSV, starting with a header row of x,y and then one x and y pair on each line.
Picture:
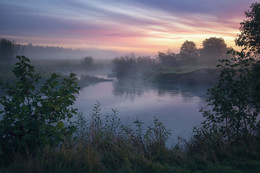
x,y
188,52
213,49
144,61
7,49
249,40
235,99
87,61
132,67
189,49
249,37
169,59
124,66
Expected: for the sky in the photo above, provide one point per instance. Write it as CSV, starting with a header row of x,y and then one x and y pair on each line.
x,y
127,26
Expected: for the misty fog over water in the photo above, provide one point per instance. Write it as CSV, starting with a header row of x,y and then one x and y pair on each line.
x,y
177,106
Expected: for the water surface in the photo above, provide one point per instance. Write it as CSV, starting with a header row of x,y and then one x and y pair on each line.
x,y
176,105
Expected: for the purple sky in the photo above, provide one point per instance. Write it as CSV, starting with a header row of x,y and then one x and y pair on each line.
x,y
141,26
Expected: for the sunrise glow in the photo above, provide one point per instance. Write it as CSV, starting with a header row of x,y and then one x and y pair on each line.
x,y
125,26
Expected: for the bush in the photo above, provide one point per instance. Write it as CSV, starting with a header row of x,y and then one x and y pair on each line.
x,y
34,116
234,112
234,100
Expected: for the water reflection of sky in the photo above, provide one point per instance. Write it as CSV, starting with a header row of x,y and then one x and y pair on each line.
x,y
177,106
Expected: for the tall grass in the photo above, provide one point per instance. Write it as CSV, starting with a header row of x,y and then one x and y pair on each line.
x,y
103,143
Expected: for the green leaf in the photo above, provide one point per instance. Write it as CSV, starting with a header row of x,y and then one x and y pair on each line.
x,y
60,125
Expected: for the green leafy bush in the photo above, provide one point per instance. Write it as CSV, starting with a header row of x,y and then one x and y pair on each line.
x,y
34,116
233,107
234,112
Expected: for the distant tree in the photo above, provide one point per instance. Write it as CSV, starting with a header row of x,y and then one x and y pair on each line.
x,y
144,61
189,49
133,67
188,53
213,49
7,49
169,59
124,66
249,37
162,57
214,45
87,61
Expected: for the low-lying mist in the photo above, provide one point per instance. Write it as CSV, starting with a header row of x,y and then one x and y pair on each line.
x,y
169,67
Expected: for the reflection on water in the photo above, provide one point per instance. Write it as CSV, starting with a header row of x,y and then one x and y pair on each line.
x,y
129,90
176,105
134,89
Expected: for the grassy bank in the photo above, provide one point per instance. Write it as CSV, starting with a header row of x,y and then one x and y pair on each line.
x,y
199,77
84,160
104,144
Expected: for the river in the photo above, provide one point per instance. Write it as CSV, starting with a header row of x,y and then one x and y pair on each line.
x,y
175,105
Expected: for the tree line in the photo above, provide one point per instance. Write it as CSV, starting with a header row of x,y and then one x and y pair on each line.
x,y
212,51
9,49
190,57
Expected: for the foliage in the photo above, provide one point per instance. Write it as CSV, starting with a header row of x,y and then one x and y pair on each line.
x,y
123,65
189,53
48,52
213,50
104,144
87,61
234,112
106,132
7,49
250,30
256,83
189,48
133,67
170,59
155,140
34,116
117,146
233,103
214,45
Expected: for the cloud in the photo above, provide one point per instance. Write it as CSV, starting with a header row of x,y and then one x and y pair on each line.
x,y
120,23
